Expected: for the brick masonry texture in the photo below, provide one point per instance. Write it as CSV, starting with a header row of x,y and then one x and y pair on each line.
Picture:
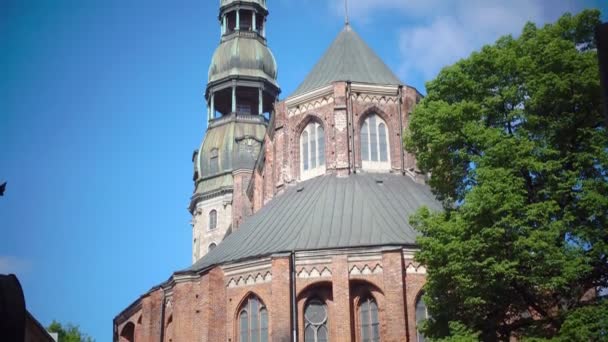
x,y
205,308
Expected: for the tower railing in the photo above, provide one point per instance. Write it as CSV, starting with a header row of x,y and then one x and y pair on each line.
x,y
238,117
244,34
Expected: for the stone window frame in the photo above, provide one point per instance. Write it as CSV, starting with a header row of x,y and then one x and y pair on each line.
x,y
211,246
212,220
377,165
246,310
307,171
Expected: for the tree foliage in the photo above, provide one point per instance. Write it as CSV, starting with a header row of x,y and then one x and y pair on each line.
x,y
69,333
515,141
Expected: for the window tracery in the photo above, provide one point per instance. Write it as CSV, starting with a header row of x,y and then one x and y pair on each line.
x,y
253,321
312,151
315,319
374,144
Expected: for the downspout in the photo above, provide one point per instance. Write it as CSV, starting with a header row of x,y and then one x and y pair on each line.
x,y
348,125
294,309
401,130
162,317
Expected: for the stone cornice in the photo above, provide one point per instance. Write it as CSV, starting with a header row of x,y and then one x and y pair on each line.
x,y
390,90
247,266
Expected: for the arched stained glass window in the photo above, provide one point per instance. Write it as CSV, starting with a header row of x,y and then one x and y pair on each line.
x,y
312,151
370,325
253,321
212,219
315,319
375,144
421,315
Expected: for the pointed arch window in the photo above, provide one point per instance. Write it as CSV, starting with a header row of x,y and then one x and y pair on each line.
x,y
253,321
374,144
212,219
422,314
315,319
312,151
370,324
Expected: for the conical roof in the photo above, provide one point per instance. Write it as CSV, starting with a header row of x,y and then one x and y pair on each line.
x,y
348,58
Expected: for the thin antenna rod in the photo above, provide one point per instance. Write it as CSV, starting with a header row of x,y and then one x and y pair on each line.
x,y
346,12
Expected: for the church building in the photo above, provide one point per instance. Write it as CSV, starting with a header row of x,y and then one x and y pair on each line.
x,y
300,208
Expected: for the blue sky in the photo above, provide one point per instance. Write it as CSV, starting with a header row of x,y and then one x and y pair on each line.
x,y
101,106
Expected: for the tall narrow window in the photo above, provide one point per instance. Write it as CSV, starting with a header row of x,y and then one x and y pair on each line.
x,y
373,138
365,141
321,144
370,325
312,151
313,148
212,219
304,142
244,326
214,162
315,319
374,144
421,315
382,141
263,325
253,321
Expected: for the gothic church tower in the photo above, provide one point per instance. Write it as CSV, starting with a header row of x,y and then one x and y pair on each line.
x,y
241,92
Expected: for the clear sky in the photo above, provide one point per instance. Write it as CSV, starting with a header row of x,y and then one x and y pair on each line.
x,y
101,106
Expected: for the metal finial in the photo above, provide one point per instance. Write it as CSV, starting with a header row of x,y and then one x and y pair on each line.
x,y
346,12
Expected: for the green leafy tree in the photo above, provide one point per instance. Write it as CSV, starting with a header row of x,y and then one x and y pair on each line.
x,y
515,141
69,333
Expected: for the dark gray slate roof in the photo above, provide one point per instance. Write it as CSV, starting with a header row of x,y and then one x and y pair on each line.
x,y
348,58
328,212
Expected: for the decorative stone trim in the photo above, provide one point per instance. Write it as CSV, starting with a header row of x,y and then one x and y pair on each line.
x,y
413,268
314,273
375,99
366,270
314,104
251,279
